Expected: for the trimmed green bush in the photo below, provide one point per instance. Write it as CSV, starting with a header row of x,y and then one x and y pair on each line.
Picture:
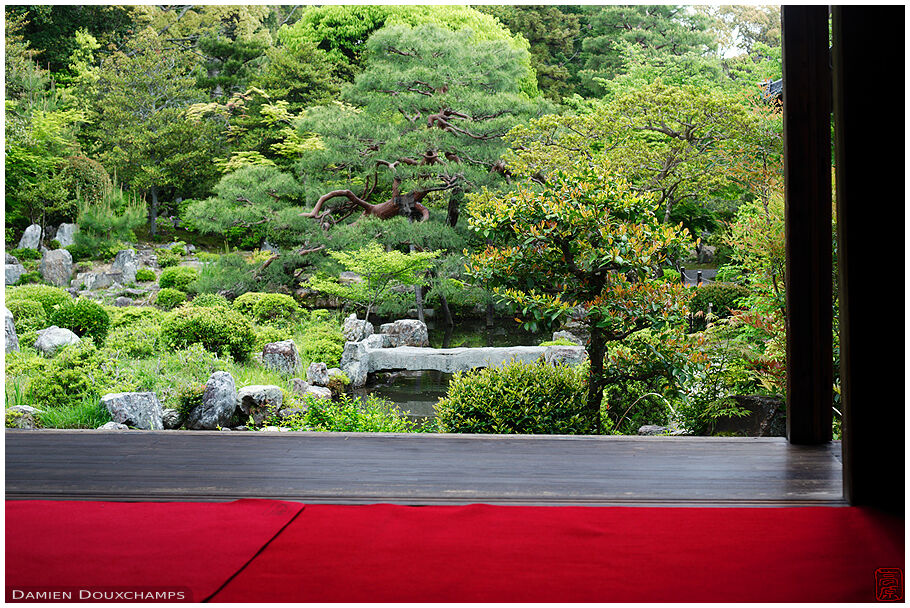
x,y
178,277
144,275
84,317
245,303
135,341
129,316
170,298
168,258
28,315
210,300
48,296
30,278
25,254
269,334
351,415
275,307
70,378
216,329
518,398
721,296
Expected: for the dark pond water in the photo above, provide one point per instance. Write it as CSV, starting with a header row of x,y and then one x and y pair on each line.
x,y
417,392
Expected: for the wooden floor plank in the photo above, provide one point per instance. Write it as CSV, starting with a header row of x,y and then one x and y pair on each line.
x,y
349,468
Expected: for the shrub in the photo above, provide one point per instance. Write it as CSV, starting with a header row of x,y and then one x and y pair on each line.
x,y
84,317
144,275
189,397
135,341
274,307
269,334
722,296
178,277
70,378
48,296
210,300
351,415
245,303
216,329
28,315
169,298
25,254
30,278
168,257
517,398
128,316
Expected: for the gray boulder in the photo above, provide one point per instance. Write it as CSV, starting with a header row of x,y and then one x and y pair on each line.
x,y
22,417
259,401
319,392
138,410
123,301
31,239
11,259
219,402
172,418
57,267
565,355
355,329
355,363
66,234
12,340
318,374
126,262
91,281
566,335
406,332
52,338
379,341
282,357
113,426
13,272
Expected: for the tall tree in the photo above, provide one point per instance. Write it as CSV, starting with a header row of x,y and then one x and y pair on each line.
x,y
427,114
138,122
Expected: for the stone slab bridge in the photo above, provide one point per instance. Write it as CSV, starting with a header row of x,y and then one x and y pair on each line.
x,y
362,358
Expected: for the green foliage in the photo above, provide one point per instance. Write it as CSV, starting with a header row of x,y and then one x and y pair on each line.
x,y
268,334
48,296
27,278
28,315
137,341
144,275
219,330
245,303
178,277
87,179
86,413
350,415
104,224
169,298
136,315
230,272
518,398
723,298
272,307
71,377
189,397
210,300
168,258
25,254
380,270
84,317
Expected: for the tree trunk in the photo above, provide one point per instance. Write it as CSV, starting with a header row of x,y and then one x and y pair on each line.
x,y
596,351
455,199
153,211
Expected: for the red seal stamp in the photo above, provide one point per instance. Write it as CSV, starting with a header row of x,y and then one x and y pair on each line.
x,y
889,585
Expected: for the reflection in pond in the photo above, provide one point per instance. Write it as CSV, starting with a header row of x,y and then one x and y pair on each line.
x,y
416,392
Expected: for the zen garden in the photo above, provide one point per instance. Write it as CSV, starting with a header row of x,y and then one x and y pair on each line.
x,y
410,219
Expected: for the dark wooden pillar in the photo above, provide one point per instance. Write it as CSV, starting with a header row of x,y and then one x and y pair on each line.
x,y
868,60
807,196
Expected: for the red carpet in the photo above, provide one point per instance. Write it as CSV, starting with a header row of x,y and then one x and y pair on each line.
x,y
477,553
187,550
480,553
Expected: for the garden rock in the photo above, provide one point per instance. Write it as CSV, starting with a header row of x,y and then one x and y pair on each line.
x,y
379,341
22,417
12,340
317,374
566,335
355,330
66,234
126,262
766,418
219,402
113,426
57,267
319,392
31,239
13,272
259,401
123,301
138,410
406,332
354,363
91,281
172,418
291,412
282,357
11,259
349,278
52,338
565,355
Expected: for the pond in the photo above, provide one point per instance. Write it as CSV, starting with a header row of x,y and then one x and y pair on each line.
x,y
416,392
